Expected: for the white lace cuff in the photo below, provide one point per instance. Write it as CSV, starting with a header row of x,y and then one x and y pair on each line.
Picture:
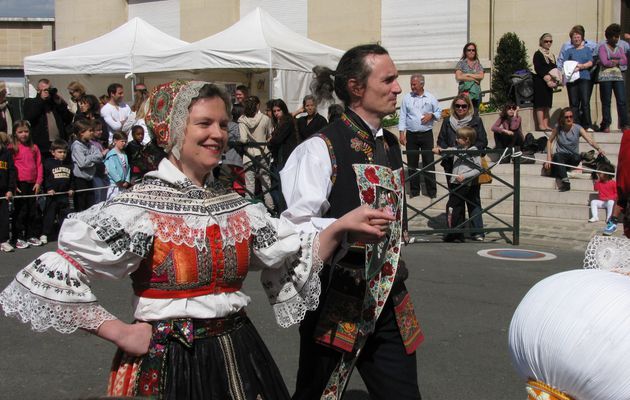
x,y
294,288
52,292
43,313
608,253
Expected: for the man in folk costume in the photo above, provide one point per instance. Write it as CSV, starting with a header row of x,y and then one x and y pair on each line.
x,y
365,317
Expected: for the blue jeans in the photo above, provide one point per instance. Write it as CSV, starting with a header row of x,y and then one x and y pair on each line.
x,y
579,100
605,94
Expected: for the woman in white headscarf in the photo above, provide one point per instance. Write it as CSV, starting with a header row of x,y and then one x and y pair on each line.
x,y
186,244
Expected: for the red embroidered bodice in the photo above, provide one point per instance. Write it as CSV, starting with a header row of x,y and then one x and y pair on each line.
x,y
173,269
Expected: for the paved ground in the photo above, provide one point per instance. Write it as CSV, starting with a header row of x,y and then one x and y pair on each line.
x,y
465,304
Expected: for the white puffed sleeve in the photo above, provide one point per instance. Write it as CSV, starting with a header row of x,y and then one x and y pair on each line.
x,y
54,290
291,265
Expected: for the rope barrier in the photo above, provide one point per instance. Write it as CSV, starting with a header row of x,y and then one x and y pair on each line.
x,y
570,166
515,154
30,196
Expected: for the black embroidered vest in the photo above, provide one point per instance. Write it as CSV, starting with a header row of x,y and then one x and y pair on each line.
x,y
349,142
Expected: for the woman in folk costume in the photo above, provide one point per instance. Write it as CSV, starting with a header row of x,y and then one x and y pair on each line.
x,y
569,336
187,245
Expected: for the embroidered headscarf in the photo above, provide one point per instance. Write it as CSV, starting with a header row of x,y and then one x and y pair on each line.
x,y
168,112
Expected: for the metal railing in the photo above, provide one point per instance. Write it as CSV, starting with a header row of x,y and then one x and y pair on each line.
x,y
436,224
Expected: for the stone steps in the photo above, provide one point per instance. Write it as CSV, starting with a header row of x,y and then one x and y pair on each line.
x,y
545,212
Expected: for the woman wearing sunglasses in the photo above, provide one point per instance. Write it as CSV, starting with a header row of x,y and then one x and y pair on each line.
x,y
507,129
469,74
546,78
462,116
567,135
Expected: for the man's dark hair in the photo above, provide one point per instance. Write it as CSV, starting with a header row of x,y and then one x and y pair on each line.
x,y
111,89
352,65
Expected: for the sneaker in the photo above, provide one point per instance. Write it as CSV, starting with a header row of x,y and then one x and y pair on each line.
x,y
565,187
589,129
610,229
594,219
6,247
478,238
21,244
34,242
43,239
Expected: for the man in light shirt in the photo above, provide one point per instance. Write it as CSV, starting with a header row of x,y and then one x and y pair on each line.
x,y
418,111
116,112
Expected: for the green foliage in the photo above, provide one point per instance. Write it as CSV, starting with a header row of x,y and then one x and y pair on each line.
x,y
511,56
391,120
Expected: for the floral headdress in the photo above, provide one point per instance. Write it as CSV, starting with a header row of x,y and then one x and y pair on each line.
x,y
168,112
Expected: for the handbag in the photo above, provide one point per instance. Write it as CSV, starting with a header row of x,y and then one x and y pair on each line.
x,y
484,178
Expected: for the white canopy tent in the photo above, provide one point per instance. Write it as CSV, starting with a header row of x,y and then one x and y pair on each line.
x,y
263,49
127,50
256,50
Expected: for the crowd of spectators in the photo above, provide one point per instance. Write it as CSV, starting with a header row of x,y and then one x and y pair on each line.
x,y
106,146
66,156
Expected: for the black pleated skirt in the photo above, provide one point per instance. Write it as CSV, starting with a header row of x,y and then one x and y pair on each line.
x,y
232,365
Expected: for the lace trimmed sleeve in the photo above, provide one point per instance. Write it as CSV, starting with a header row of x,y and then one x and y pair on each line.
x,y
292,265
54,290
608,253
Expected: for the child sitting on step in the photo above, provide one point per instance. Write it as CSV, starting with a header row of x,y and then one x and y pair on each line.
x,y
606,189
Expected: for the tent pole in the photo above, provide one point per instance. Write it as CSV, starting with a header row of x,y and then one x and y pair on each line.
x,y
133,85
270,84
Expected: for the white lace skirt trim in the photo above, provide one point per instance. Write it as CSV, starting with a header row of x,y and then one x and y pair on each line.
x,y
608,253
42,313
294,288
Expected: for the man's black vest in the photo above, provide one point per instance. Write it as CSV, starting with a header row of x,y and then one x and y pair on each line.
x,y
350,141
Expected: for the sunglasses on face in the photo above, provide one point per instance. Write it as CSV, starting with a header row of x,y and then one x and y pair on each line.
x,y
511,108
461,106
568,117
548,41
471,49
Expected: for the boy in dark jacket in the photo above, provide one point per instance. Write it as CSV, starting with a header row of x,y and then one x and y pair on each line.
x,y
134,152
7,188
58,178
142,159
